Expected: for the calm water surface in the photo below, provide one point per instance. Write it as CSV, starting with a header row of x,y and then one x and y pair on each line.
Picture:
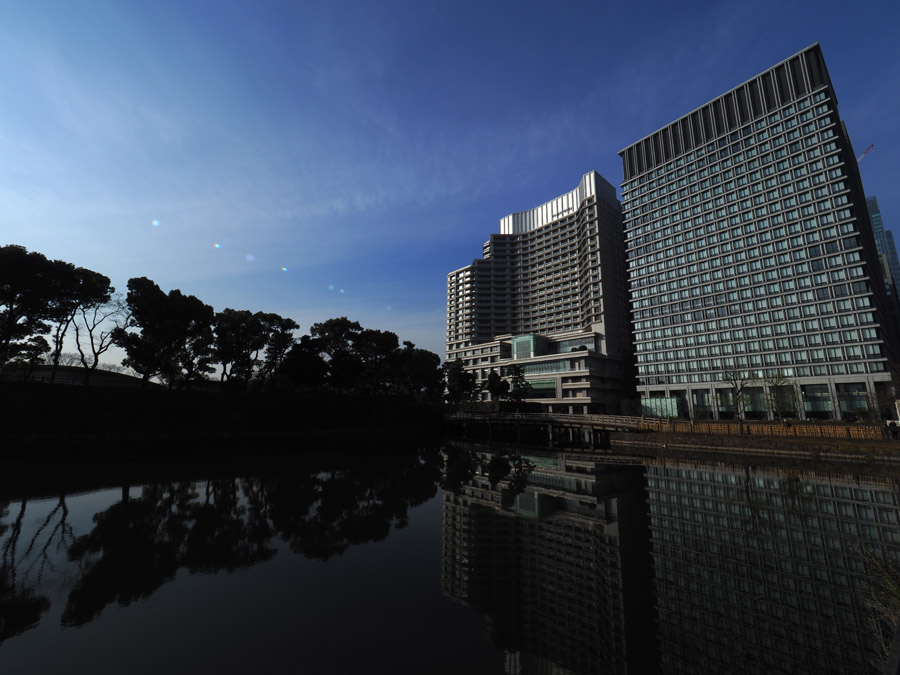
x,y
495,563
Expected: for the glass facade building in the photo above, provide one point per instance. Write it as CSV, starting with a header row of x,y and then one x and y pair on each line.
x,y
751,260
884,242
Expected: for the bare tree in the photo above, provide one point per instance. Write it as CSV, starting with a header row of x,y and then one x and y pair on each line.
x,y
738,381
94,331
780,396
77,288
64,358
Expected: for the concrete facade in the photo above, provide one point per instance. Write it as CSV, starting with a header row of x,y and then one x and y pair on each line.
x,y
549,295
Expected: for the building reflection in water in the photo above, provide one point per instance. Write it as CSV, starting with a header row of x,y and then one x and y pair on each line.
x,y
588,566
767,571
560,570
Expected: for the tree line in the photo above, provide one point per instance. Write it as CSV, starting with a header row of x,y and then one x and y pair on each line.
x,y
181,341
462,385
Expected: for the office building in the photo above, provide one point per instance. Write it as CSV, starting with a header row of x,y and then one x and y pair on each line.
x,y
751,261
549,294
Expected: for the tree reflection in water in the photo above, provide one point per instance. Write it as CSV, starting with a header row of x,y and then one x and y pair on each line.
x,y
223,524
21,606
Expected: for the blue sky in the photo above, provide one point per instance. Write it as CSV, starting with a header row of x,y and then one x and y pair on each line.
x,y
369,148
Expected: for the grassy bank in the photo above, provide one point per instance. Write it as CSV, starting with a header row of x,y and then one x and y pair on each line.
x,y
95,421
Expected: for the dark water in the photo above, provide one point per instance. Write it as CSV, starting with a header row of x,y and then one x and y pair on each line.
x,y
495,564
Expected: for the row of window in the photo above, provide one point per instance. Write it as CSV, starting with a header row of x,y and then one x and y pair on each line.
x,y
717,281
684,349
693,190
786,170
733,203
801,356
696,192
847,353
682,336
695,323
853,368
669,172
724,255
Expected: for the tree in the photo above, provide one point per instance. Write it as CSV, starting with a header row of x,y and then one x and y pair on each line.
x,y
65,359
29,354
194,355
374,348
780,395
335,338
518,385
417,373
304,366
279,340
26,293
94,330
76,290
35,292
175,338
239,337
737,381
459,382
498,469
496,387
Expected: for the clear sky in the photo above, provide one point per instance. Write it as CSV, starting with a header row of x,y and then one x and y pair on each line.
x,y
344,156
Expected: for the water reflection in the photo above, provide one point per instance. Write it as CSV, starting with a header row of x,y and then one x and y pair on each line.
x,y
589,566
138,543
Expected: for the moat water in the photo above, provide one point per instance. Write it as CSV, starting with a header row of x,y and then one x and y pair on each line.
x,y
465,560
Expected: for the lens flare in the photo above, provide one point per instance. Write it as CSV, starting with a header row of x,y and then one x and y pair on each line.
x,y
217,245
284,269
155,222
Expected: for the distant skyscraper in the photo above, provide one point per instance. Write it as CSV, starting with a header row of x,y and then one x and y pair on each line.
x,y
549,295
891,254
750,254
884,239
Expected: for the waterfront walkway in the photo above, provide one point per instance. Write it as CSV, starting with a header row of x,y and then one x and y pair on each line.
x,y
793,429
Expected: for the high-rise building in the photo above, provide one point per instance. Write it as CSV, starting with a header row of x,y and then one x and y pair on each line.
x,y
549,295
891,254
884,242
887,256
751,260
